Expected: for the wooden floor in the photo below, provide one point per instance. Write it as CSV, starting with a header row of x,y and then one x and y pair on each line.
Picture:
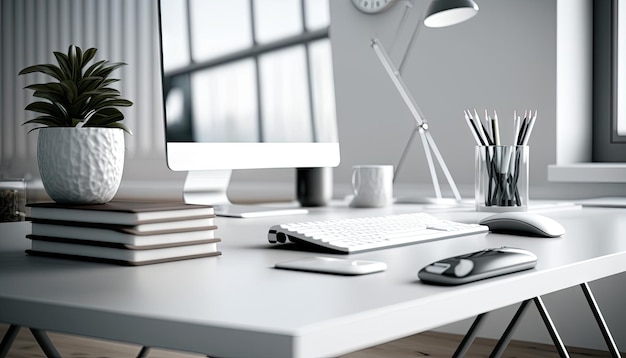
x,y
428,344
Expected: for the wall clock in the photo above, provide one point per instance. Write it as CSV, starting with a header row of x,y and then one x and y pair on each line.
x,y
373,6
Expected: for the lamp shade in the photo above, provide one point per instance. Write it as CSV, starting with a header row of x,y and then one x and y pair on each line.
x,y
443,13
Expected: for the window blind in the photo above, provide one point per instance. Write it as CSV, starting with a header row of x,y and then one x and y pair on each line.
x,y
121,30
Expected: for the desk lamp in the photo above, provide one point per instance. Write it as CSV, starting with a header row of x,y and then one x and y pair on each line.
x,y
440,13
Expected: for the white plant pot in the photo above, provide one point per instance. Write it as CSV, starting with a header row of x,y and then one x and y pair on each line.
x,y
81,165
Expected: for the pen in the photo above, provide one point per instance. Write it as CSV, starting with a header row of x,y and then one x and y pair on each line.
x,y
495,128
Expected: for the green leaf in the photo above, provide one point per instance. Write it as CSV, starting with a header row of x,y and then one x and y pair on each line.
x,y
46,120
87,84
48,69
50,91
64,64
108,81
104,92
70,89
119,102
105,116
75,55
76,58
101,102
52,87
53,110
89,72
106,69
88,55
51,96
43,107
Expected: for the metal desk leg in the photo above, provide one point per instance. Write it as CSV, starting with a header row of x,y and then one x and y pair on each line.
x,y
508,333
547,320
8,339
558,343
469,337
40,336
600,319
45,343
504,341
143,353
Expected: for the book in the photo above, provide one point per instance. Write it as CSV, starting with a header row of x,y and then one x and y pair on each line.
x,y
146,228
121,254
121,212
128,235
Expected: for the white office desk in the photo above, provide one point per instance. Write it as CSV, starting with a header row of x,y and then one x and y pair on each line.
x,y
238,305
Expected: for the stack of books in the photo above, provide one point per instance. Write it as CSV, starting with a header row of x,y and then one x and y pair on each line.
x,y
123,232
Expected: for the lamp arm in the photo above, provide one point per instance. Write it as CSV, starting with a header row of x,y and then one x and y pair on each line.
x,y
408,5
429,159
442,164
422,126
396,78
409,47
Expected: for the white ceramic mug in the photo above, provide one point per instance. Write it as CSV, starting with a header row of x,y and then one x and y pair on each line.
x,y
372,186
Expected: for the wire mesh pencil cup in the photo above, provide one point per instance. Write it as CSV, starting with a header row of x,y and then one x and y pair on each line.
x,y
501,182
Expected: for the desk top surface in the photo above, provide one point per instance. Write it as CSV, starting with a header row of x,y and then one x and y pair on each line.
x,y
239,305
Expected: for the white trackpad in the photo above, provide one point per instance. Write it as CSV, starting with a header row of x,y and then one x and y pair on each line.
x,y
334,265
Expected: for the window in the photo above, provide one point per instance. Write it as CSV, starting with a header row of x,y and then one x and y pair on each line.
x,y
584,139
243,69
609,82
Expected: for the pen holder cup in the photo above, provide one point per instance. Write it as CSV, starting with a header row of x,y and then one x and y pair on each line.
x,y
501,181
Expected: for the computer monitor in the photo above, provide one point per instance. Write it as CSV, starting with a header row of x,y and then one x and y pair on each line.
x,y
246,85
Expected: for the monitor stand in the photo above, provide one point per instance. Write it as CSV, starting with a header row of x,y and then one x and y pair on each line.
x,y
208,187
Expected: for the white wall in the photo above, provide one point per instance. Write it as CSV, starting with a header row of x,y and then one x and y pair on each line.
x,y
503,59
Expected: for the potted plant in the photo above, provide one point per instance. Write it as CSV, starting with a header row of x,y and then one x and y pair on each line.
x,y
80,148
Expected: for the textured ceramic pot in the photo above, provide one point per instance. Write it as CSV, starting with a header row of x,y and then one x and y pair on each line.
x,y
81,165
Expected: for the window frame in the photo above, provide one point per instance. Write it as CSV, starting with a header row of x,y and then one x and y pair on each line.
x,y
608,145
575,117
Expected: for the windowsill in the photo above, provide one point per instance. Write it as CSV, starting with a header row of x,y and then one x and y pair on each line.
x,y
588,173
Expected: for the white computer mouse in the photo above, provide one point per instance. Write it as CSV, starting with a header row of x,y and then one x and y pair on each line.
x,y
523,223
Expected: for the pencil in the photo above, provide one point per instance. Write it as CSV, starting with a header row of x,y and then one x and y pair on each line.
x,y
529,129
523,129
473,129
495,128
482,129
516,127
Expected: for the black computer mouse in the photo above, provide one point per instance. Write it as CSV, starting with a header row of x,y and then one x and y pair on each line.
x,y
477,265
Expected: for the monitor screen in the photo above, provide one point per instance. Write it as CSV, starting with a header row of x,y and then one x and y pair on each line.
x,y
248,84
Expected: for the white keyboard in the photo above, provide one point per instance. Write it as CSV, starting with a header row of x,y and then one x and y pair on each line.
x,y
372,233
